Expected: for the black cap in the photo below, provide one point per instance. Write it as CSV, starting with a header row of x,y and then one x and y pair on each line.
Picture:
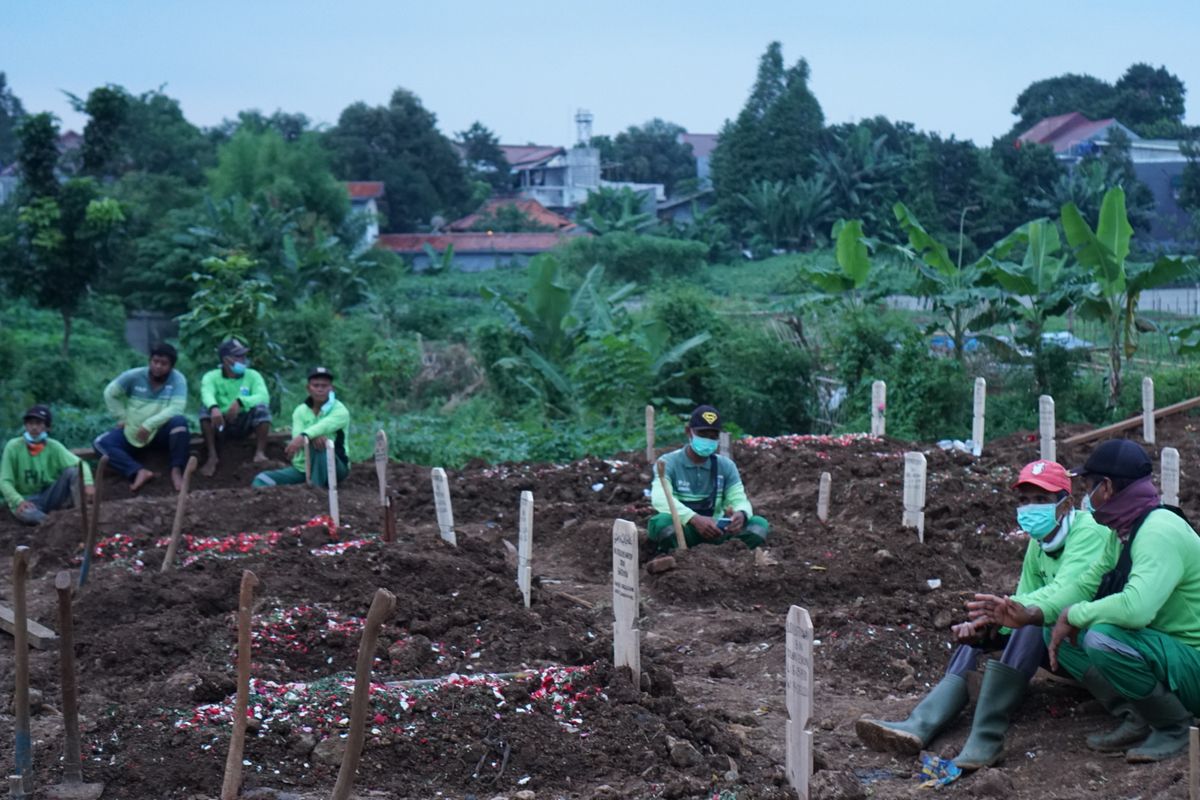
x,y
320,372
705,418
1117,458
232,348
38,412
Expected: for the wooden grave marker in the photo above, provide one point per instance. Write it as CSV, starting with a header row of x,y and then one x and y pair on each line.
x,y
797,738
724,447
441,501
331,480
1168,476
381,459
626,597
1148,410
914,493
525,546
823,486
1193,763
649,434
1048,451
878,408
977,420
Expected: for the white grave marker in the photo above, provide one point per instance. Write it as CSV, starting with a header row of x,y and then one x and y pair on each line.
x,y
626,637
441,501
798,740
525,546
878,408
1049,450
649,434
1169,476
1148,410
980,413
331,479
381,459
823,497
723,447
914,493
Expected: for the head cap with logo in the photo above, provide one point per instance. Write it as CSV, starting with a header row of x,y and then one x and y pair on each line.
x,y
320,372
232,348
1048,475
1117,458
705,418
39,411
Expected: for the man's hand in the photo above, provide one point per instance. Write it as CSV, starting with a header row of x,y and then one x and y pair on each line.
x,y
1000,611
737,521
706,527
217,419
89,492
25,506
968,632
294,446
142,435
234,409
318,443
1062,630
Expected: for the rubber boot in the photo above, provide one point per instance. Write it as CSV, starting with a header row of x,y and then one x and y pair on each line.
x,y
1132,729
908,737
1169,721
1001,692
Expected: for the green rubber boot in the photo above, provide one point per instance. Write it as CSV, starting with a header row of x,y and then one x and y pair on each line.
x,y
910,736
1002,690
1169,722
1132,729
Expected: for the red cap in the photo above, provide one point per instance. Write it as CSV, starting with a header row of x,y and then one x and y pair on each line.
x,y
1046,475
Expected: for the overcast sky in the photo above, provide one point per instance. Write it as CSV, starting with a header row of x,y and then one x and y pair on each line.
x,y
523,68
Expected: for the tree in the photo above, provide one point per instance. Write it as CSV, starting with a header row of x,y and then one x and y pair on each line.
x,y
11,113
609,210
400,145
1064,94
1146,96
861,170
107,108
291,126
484,158
37,155
647,153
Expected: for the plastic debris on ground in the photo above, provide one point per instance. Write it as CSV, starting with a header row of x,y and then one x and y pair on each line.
x,y
937,771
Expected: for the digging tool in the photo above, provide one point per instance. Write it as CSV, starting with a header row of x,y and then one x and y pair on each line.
x,y
180,508
233,764
382,606
72,787
389,522
84,527
331,479
89,536
23,751
680,541
307,462
15,790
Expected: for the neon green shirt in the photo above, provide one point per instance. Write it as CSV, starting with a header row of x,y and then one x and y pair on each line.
x,y
249,390
23,474
333,424
1043,577
132,399
692,485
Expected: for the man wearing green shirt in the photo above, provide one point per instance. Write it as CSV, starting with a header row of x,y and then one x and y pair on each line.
x,y
148,403
709,496
38,474
319,420
234,401
1063,544
1137,645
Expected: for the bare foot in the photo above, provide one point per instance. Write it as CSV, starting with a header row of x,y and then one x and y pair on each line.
x,y
177,478
143,477
210,468
261,458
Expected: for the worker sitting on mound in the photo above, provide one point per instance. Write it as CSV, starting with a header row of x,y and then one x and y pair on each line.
x,y
1064,543
234,401
321,418
38,474
709,495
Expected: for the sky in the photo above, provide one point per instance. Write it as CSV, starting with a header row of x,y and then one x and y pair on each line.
x,y
524,68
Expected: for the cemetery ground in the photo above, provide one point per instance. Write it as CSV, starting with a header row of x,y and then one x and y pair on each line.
x,y
156,650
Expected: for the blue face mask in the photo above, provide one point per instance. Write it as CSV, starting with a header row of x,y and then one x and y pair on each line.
x,y
329,403
1037,519
238,368
41,437
704,447
1086,505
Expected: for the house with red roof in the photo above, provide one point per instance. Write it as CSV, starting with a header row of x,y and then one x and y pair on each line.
x,y
475,251
367,198
531,209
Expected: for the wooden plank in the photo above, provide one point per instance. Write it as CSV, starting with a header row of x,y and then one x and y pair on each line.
x,y
649,434
878,408
1132,422
1168,476
441,501
626,597
1148,410
195,441
914,493
1046,432
823,487
525,546
331,482
40,636
724,447
799,700
978,416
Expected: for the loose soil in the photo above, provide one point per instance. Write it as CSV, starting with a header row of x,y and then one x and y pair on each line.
x,y
156,651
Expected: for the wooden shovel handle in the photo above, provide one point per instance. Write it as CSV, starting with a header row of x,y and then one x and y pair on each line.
x,y
84,527
382,606
89,542
72,762
23,751
237,742
680,539
180,509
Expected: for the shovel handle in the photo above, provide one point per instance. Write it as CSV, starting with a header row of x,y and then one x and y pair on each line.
x,y
23,751
72,760
180,508
680,539
237,742
93,530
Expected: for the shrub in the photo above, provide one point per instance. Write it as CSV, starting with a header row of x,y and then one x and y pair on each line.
x,y
632,256
761,383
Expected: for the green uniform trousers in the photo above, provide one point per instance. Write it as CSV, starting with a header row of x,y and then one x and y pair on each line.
x,y
1135,661
289,476
661,531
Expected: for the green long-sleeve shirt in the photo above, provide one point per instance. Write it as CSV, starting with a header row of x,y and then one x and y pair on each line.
x,y
333,424
249,390
133,400
1044,577
22,474
1163,590
692,485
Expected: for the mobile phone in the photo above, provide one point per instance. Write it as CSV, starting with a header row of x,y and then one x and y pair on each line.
x,y
723,523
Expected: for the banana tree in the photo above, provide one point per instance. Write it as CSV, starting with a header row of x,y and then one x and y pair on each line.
x,y
847,276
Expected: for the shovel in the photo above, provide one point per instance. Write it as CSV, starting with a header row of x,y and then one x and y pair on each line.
x,y
237,742
89,536
680,540
72,787
23,751
180,507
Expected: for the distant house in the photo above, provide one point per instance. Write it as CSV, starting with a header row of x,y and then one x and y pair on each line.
x,y
703,145
367,197
532,209
683,210
473,252
1158,163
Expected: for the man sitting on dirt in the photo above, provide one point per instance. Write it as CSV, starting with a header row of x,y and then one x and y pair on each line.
x,y
1136,647
235,401
38,474
709,495
1064,544
319,419
148,403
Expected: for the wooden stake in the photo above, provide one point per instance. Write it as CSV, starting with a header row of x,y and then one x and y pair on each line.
x,y
331,481
389,522
89,542
525,546
980,411
23,750
307,462
878,408
180,508
626,598
823,487
798,740
84,527
914,493
381,459
1168,476
72,786
382,606
649,434
724,447
1193,763
441,502
1046,428
237,742
680,539
1148,410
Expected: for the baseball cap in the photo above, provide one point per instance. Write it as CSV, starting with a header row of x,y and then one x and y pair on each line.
x,y
1117,458
232,348
705,418
1048,475
320,372
38,411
